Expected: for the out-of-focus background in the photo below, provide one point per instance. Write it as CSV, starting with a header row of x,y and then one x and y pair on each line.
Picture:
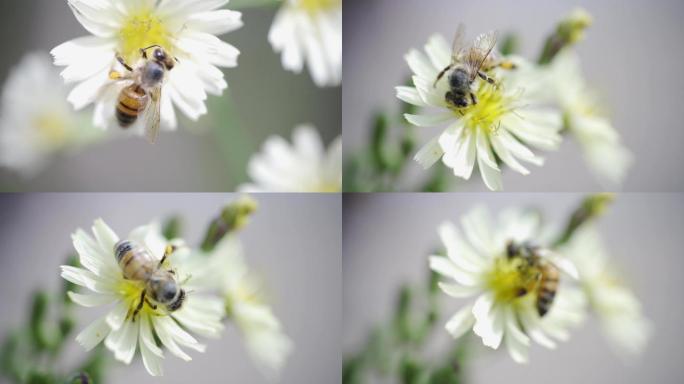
x,y
630,55
262,99
293,241
388,237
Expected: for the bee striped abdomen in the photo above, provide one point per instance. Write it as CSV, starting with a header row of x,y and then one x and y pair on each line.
x,y
134,260
132,101
547,288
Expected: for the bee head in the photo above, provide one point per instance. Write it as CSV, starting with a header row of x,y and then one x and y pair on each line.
x,y
162,57
178,302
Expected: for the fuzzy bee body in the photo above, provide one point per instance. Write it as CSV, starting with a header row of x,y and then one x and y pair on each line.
x,y
142,96
548,286
543,278
137,263
132,102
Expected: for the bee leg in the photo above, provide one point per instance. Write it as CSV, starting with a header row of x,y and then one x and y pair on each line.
x,y
123,62
441,74
521,292
140,305
473,98
486,78
153,306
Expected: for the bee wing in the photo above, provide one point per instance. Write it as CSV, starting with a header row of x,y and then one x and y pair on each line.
x,y
457,45
481,49
153,115
560,262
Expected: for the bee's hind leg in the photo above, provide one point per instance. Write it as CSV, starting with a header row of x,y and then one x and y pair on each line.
x,y
441,74
473,99
167,252
486,78
153,306
140,305
123,62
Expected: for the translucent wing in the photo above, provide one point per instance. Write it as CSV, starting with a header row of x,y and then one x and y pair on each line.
x,y
153,115
478,53
457,45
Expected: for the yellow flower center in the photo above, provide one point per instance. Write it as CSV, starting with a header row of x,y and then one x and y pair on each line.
x,y
314,6
492,104
142,29
52,128
131,291
512,278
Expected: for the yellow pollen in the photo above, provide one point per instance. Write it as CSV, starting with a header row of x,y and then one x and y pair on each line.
x,y
314,6
131,291
492,105
511,278
142,30
52,128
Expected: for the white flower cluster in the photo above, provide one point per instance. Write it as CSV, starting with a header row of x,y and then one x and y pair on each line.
x,y
215,286
510,290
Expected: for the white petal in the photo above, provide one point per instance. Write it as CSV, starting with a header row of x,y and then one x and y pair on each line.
x,y
462,158
490,176
215,22
420,65
410,95
429,154
516,341
117,315
429,120
447,268
457,290
461,322
488,321
93,334
91,300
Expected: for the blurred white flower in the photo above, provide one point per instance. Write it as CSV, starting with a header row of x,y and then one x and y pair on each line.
x,y
245,305
616,306
502,124
185,29
121,331
505,308
608,158
304,166
35,120
310,31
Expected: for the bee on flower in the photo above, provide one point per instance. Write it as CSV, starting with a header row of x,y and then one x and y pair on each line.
x,y
146,58
523,291
488,116
151,287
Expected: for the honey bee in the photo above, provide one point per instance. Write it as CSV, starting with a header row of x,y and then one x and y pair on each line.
x,y
541,275
468,62
143,95
138,264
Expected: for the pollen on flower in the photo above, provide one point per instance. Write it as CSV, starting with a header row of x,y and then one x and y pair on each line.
x,y
492,104
131,290
314,6
141,30
510,279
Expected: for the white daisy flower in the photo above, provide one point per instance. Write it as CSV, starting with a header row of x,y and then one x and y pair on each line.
x,y
506,288
310,31
121,328
304,166
616,306
265,340
35,120
185,29
608,158
498,128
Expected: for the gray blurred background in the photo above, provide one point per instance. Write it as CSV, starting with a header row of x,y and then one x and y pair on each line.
x,y
262,99
293,241
387,238
631,55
